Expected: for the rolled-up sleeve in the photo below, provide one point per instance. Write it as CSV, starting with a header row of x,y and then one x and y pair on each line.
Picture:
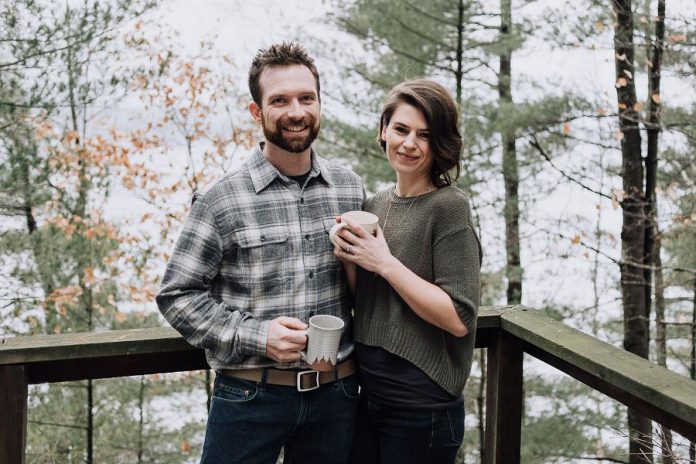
x,y
457,264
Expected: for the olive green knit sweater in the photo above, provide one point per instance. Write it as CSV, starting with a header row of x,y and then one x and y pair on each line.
x,y
431,234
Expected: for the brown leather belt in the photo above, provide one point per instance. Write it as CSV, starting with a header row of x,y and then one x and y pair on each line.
x,y
303,380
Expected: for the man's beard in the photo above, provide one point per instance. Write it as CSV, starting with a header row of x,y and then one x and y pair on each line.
x,y
295,145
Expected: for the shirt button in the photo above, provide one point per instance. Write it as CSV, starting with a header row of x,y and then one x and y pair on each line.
x,y
263,238
306,237
311,274
302,200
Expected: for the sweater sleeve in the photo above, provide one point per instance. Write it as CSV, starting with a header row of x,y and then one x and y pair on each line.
x,y
457,265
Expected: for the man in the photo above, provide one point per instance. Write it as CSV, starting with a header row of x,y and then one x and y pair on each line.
x,y
253,264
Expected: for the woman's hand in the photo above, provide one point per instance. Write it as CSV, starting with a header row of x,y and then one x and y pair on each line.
x,y
370,253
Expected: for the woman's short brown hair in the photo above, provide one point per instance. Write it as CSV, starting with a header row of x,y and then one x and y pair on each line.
x,y
441,115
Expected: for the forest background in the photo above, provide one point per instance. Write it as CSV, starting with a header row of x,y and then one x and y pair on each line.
x,y
579,128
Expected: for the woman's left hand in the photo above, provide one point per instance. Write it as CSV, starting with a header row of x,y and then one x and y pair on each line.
x,y
367,251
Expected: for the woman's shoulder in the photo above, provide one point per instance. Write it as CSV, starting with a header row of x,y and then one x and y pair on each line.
x,y
453,201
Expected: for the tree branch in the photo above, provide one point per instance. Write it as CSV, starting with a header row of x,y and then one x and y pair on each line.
x,y
535,143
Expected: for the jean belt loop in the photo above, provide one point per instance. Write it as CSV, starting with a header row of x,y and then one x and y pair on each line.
x,y
335,372
264,376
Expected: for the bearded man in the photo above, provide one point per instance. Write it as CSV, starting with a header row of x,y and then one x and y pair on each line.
x,y
253,264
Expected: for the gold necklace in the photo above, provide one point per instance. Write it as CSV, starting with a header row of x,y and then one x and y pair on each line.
x,y
391,202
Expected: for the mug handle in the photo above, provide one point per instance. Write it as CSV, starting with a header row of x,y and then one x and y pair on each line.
x,y
334,230
303,353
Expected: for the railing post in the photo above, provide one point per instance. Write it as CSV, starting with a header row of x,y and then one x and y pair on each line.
x,y
13,413
503,401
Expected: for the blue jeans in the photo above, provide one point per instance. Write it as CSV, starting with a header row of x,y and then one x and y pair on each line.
x,y
388,434
250,422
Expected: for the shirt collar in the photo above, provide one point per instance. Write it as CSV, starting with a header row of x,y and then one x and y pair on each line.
x,y
263,173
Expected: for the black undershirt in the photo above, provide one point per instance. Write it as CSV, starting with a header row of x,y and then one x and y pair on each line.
x,y
389,379
301,178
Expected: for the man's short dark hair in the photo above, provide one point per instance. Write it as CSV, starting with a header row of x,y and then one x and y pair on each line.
x,y
282,54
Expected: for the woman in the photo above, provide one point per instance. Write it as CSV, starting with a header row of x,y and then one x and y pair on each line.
x,y
416,286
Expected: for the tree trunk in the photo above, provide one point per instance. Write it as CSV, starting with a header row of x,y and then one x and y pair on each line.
x,y
480,402
460,51
141,431
513,270
661,342
652,236
666,440
90,422
635,291
692,370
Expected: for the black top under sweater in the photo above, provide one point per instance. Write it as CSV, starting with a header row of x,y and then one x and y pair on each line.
x,y
391,380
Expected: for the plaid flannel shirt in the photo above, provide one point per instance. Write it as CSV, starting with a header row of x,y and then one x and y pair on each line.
x,y
253,248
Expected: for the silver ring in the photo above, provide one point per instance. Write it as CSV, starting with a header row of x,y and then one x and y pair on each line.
x,y
349,250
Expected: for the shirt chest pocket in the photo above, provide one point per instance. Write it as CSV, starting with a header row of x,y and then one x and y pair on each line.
x,y
263,255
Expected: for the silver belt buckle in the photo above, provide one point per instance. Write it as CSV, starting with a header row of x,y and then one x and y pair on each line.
x,y
315,385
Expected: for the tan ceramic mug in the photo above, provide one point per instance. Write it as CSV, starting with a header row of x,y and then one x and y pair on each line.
x,y
368,221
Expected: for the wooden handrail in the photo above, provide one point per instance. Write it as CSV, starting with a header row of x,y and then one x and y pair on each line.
x,y
508,332
652,390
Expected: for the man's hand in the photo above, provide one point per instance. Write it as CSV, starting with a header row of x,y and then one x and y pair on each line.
x,y
286,337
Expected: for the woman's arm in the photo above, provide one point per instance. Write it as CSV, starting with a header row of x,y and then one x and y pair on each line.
x,y
427,300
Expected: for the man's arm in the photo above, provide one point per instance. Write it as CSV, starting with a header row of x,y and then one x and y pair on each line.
x,y
184,298
229,333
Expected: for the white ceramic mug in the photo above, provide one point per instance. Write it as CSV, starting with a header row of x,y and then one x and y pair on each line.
x,y
323,340
368,221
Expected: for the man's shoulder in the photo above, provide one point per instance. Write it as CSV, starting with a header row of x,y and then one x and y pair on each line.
x,y
339,173
235,182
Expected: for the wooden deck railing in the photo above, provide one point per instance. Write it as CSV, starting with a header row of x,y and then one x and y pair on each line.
x,y
507,332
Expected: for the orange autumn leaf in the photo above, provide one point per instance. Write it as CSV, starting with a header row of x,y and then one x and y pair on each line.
x,y
566,128
575,240
65,295
621,82
185,447
656,98
89,275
